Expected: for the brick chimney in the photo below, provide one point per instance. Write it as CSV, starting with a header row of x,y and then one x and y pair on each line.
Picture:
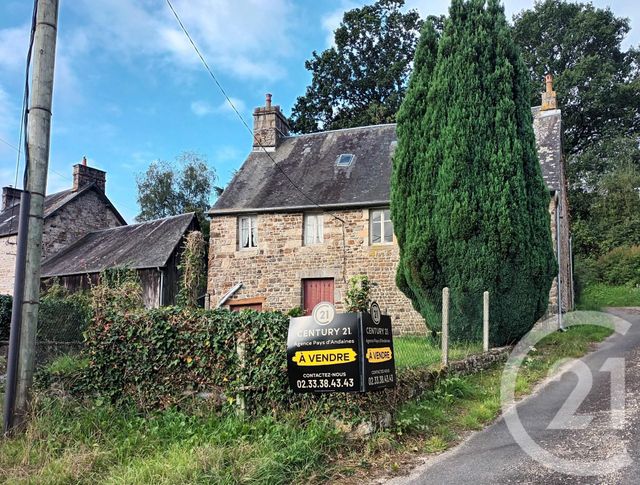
x,y
549,100
269,126
10,197
85,175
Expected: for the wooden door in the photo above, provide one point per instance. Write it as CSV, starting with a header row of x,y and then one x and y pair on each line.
x,y
314,291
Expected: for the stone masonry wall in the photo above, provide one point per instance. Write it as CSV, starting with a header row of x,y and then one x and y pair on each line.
x,y
275,269
565,259
7,264
84,214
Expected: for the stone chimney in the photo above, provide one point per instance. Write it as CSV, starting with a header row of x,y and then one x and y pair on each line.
x,y
10,197
85,175
269,126
549,100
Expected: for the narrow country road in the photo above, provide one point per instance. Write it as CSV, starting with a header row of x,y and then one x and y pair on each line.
x,y
492,456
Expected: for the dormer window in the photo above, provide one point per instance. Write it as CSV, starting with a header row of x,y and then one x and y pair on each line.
x,y
345,159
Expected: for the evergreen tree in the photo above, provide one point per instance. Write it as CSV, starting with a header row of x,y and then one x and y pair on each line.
x,y
469,204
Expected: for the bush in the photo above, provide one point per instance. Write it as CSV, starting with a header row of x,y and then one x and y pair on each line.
x,y
63,316
585,273
153,357
5,316
620,266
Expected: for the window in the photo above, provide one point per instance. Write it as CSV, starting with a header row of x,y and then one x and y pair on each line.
x,y
380,226
248,232
313,229
345,159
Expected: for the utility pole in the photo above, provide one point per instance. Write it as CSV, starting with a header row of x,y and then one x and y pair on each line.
x,y
38,135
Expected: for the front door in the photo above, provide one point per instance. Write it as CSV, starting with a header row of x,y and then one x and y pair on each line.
x,y
314,291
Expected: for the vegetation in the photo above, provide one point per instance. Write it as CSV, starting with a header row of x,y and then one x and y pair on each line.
x,y
193,269
597,296
85,442
168,189
5,316
62,316
361,79
421,351
469,205
154,358
358,297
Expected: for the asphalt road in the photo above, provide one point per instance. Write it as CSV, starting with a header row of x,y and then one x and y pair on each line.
x,y
492,456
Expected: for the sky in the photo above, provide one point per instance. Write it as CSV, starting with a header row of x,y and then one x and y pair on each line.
x,y
129,89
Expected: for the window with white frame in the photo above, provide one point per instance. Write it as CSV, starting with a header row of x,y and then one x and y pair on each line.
x,y
313,229
247,232
380,226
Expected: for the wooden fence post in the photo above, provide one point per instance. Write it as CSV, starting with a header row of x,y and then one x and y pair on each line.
x,y
241,404
445,326
485,323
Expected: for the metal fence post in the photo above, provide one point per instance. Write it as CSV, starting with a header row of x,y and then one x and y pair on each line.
x,y
485,322
445,326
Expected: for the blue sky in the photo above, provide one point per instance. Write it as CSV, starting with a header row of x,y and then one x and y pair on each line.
x,y
130,90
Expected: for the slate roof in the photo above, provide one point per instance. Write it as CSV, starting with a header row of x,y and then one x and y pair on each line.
x,y
309,161
52,203
137,246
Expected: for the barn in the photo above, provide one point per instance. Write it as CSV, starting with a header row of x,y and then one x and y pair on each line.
x,y
150,248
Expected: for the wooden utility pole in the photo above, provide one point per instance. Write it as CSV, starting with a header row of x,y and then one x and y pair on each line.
x,y
39,130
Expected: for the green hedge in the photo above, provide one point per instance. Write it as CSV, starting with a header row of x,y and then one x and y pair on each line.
x,y
156,357
5,316
620,266
62,317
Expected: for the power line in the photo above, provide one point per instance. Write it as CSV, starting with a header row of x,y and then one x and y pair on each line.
x,y
256,140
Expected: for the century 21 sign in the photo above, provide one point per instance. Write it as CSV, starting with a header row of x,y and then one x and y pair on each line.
x,y
347,352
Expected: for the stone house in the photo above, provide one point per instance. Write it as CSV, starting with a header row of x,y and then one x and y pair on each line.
x,y
151,248
68,215
271,247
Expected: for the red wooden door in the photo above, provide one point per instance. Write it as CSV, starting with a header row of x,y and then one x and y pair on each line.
x,y
314,291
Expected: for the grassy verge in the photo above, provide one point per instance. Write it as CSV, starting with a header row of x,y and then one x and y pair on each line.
x,y
71,442
422,351
597,296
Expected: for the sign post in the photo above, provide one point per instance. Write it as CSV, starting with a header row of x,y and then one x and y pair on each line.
x,y
340,352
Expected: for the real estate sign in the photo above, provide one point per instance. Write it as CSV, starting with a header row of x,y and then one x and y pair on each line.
x,y
347,352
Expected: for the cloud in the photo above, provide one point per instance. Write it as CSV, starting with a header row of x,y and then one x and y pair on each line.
x,y
331,21
204,108
244,38
12,57
9,126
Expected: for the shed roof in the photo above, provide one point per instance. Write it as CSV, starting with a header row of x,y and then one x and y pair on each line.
x,y
145,245
309,162
52,203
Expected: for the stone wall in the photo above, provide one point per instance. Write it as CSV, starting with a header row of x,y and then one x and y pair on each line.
x,y
75,219
560,204
86,213
7,264
274,270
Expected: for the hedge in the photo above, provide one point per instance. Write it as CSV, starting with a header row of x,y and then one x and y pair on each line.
x,y
157,357
620,266
62,317
5,316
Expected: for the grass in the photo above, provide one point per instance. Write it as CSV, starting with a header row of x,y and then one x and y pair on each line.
x,y
423,351
597,296
69,442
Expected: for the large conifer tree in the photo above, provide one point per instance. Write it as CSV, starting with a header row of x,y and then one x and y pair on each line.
x,y
469,204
